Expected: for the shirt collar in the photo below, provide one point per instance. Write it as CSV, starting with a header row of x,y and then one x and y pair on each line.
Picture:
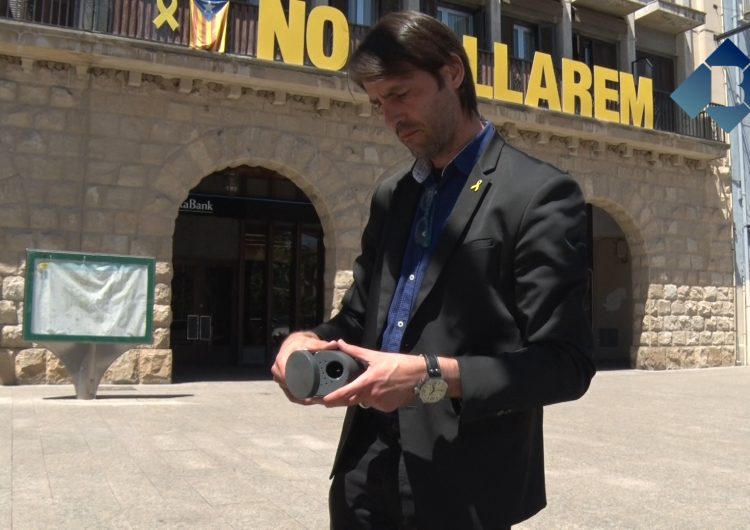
x,y
464,161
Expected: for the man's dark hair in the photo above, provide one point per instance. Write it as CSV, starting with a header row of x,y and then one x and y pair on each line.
x,y
405,40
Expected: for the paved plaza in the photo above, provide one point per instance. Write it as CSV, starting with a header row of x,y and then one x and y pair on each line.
x,y
640,450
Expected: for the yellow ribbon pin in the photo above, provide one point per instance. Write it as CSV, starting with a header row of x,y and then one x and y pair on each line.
x,y
477,185
166,14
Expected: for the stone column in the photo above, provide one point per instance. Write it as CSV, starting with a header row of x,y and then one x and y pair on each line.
x,y
565,30
411,5
627,46
494,19
685,65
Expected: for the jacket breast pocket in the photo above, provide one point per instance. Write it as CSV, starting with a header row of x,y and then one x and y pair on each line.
x,y
478,259
479,244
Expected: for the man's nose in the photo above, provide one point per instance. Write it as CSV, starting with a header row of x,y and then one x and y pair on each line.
x,y
391,115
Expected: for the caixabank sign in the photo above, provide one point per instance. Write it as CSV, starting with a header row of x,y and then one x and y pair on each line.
x,y
694,94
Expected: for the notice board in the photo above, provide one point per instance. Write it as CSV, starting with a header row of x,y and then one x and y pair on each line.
x,y
76,297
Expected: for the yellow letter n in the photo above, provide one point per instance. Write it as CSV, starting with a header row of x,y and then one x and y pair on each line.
x,y
273,27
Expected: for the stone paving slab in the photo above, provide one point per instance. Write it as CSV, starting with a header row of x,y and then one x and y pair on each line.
x,y
651,450
640,450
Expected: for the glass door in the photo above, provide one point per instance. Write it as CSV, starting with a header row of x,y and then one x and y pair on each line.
x,y
282,286
202,325
248,268
282,282
204,305
255,296
309,287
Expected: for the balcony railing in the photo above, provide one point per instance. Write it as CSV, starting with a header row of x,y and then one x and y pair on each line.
x,y
134,19
668,116
518,71
55,12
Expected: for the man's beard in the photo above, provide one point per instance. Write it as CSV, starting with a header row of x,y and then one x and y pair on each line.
x,y
431,145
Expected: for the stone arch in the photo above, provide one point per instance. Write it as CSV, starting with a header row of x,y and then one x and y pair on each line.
x,y
623,202
630,228
254,146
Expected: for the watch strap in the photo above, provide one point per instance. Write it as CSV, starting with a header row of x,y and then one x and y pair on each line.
x,y
433,366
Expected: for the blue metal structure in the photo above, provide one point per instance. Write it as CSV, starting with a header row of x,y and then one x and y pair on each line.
x,y
737,30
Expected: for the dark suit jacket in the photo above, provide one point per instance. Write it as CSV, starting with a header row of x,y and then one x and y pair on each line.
x,y
504,295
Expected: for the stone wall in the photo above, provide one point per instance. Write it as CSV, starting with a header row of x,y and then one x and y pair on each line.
x,y
688,326
95,164
99,160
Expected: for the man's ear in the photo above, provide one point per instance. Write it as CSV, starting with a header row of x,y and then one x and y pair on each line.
x,y
454,71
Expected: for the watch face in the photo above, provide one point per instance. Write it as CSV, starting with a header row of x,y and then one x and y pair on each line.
x,y
433,390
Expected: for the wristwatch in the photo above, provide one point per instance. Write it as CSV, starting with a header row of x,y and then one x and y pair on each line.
x,y
432,388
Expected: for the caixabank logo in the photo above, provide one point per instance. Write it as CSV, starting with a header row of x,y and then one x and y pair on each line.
x,y
694,94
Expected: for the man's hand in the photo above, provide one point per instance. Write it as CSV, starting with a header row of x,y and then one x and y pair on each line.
x,y
387,383
300,340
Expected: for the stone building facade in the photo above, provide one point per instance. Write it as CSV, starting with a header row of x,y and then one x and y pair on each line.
x,y
103,139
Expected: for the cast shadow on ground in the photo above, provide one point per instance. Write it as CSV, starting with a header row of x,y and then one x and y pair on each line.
x,y
132,396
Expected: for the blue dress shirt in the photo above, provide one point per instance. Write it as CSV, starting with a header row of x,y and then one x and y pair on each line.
x,y
439,195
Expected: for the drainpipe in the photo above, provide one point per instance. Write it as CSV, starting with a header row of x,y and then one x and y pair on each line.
x,y
742,354
738,172
739,160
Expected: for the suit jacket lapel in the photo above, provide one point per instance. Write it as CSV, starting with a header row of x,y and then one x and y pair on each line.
x,y
463,212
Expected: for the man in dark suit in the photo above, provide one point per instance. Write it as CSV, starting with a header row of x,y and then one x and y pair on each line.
x,y
466,307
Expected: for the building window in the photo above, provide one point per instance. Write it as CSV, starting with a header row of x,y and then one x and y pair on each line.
x,y
667,115
594,52
362,12
461,22
526,38
658,68
524,42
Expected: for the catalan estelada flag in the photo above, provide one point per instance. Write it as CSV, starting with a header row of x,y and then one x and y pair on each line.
x,y
208,24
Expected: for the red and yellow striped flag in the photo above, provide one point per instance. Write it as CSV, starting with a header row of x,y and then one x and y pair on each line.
x,y
208,24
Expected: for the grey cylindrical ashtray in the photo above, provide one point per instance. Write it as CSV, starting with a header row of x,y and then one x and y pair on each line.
x,y
316,374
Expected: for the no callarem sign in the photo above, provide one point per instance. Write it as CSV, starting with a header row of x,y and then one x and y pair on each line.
x,y
578,89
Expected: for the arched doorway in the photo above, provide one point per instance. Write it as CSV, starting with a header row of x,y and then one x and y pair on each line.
x,y
248,266
611,291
